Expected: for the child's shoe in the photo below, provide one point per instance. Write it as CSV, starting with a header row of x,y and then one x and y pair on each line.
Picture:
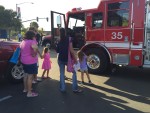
x,y
32,94
90,82
83,82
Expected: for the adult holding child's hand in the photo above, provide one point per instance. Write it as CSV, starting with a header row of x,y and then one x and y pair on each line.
x,y
62,49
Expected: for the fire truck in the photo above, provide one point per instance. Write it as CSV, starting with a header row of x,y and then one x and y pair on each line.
x,y
116,32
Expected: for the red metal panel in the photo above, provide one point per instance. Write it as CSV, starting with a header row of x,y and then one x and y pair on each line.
x,y
133,61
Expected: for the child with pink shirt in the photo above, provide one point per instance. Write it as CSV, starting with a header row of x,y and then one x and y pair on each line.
x,y
46,65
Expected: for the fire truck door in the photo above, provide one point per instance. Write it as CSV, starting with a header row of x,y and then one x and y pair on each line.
x,y
117,32
57,21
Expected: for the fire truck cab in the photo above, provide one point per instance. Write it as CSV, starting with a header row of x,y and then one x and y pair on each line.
x,y
116,32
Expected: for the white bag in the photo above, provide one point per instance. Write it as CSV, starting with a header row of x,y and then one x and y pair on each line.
x,y
76,66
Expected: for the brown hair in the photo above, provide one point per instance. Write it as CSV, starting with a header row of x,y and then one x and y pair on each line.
x,y
32,29
80,55
45,49
62,34
29,35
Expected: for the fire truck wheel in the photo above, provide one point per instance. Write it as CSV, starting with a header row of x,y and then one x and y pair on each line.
x,y
97,61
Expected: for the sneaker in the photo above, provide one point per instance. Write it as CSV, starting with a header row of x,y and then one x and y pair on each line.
x,y
39,79
34,82
33,94
77,91
24,91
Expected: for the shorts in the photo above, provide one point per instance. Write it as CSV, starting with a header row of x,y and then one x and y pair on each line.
x,y
30,68
83,69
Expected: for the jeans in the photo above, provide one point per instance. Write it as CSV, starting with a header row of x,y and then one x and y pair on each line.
x,y
62,77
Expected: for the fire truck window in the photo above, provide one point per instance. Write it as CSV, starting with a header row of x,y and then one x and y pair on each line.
x,y
118,5
118,14
97,20
118,18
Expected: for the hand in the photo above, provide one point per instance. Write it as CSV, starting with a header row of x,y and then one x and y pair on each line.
x,y
33,55
41,56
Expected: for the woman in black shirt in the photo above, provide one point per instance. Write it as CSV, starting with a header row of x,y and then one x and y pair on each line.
x,y
62,50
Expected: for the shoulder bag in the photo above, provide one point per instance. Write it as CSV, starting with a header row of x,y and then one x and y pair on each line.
x,y
70,62
15,57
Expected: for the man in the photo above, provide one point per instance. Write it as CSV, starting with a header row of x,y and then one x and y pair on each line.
x,y
19,37
38,38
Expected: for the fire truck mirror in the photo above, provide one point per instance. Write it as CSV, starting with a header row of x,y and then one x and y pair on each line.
x,y
58,21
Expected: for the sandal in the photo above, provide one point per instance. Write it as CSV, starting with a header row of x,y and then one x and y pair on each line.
x,y
44,77
33,94
49,77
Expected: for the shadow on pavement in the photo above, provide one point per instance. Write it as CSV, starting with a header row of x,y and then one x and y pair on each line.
x,y
94,99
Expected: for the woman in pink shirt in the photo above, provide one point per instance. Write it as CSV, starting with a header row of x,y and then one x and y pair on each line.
x,y
28,48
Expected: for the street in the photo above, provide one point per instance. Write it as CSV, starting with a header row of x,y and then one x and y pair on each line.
x,y
126,91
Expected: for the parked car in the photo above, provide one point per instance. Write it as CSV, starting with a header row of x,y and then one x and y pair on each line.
x,y
9,70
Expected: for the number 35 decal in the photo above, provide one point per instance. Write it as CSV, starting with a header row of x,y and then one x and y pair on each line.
x,y
117,35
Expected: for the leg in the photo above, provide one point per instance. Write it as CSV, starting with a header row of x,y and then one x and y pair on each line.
x,y
29,83
62,76
25,83
87,74
43,73
47,73
74,80
82,77
35,76
88,77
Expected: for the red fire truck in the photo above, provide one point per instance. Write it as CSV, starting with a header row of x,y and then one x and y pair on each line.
x,y
116,32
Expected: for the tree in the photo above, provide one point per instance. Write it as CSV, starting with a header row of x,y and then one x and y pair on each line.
x,y
34,24
8,20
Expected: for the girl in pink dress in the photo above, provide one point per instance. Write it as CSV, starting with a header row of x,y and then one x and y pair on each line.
x,y
46,65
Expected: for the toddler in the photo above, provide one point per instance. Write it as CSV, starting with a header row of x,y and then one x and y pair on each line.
x,y
83,66
46,65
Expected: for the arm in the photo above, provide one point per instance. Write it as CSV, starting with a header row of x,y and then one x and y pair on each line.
x,y
39,53
36,50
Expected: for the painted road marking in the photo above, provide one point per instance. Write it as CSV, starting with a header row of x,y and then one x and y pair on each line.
x,y
5,98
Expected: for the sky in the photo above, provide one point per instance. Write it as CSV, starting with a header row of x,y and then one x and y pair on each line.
x,y
42,8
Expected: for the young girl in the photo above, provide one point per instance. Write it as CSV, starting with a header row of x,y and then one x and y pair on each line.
x,y
83,66
46,62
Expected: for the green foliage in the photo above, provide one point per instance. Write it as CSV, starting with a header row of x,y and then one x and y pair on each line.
x,y
8,19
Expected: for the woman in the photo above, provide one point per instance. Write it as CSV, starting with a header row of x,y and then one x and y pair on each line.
x,y
28,51
62,49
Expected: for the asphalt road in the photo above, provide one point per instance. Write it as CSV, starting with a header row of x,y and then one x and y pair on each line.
x,y
127,91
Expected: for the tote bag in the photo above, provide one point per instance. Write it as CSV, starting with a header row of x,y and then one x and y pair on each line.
x,y
15,57
70,63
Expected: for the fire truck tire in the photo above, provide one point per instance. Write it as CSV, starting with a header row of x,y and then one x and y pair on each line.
x,y
97,61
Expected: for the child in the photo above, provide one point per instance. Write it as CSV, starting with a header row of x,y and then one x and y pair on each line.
x,y
46,62
83,66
